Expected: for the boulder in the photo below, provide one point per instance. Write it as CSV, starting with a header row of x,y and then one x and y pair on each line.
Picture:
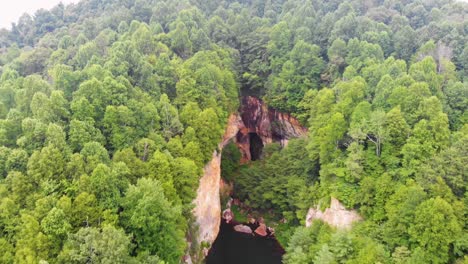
x,y
261,230
337,215
243,229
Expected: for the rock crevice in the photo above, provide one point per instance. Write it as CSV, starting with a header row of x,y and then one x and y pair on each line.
x,y
265,122
207,209
253,117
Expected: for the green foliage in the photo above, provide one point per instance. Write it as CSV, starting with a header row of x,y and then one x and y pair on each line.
x,y
230,161
305,244
108,185
209,132
298,74
106,245
109,110
84,210
434,228
153,220
185,174
280,181
55,224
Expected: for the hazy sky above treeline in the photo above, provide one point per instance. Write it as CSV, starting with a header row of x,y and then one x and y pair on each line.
x,y
11,10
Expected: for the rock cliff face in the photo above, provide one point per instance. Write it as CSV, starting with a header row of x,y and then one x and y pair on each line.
x,y
255,121
265,123
207,209
336,215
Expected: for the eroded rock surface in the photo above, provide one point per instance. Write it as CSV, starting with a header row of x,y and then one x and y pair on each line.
x,y
253,117
269,124
207,206
207,209
337,215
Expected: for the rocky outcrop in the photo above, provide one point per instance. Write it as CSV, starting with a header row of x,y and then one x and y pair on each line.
x,y
254,118
337,215
207,209
269,124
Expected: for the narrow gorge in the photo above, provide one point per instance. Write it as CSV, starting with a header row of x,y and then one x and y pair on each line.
x,y
254,126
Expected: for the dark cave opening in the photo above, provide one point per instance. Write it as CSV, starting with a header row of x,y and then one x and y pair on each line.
x,y
256,146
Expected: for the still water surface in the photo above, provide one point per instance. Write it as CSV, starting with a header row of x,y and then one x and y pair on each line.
x,y
231,247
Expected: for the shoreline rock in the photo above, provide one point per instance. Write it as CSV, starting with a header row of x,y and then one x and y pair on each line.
x,y
243,229
261,230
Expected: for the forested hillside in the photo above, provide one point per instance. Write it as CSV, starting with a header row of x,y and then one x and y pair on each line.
x,y
109,111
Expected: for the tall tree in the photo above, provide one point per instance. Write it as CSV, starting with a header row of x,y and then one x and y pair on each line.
x,y
153,220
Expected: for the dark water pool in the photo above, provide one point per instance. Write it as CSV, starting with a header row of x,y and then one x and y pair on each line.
x,y
231,247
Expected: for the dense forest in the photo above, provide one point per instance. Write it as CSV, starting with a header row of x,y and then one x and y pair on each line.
x,y
110,109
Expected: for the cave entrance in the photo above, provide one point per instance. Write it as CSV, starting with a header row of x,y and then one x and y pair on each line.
x,y
256,146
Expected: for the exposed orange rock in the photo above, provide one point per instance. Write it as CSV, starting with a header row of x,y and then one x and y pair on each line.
x,y
207,209
269,124
207,203
255,117
233,126
261,230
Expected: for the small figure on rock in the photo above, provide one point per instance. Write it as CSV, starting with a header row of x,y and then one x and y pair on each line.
x,y
271,230
228,215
